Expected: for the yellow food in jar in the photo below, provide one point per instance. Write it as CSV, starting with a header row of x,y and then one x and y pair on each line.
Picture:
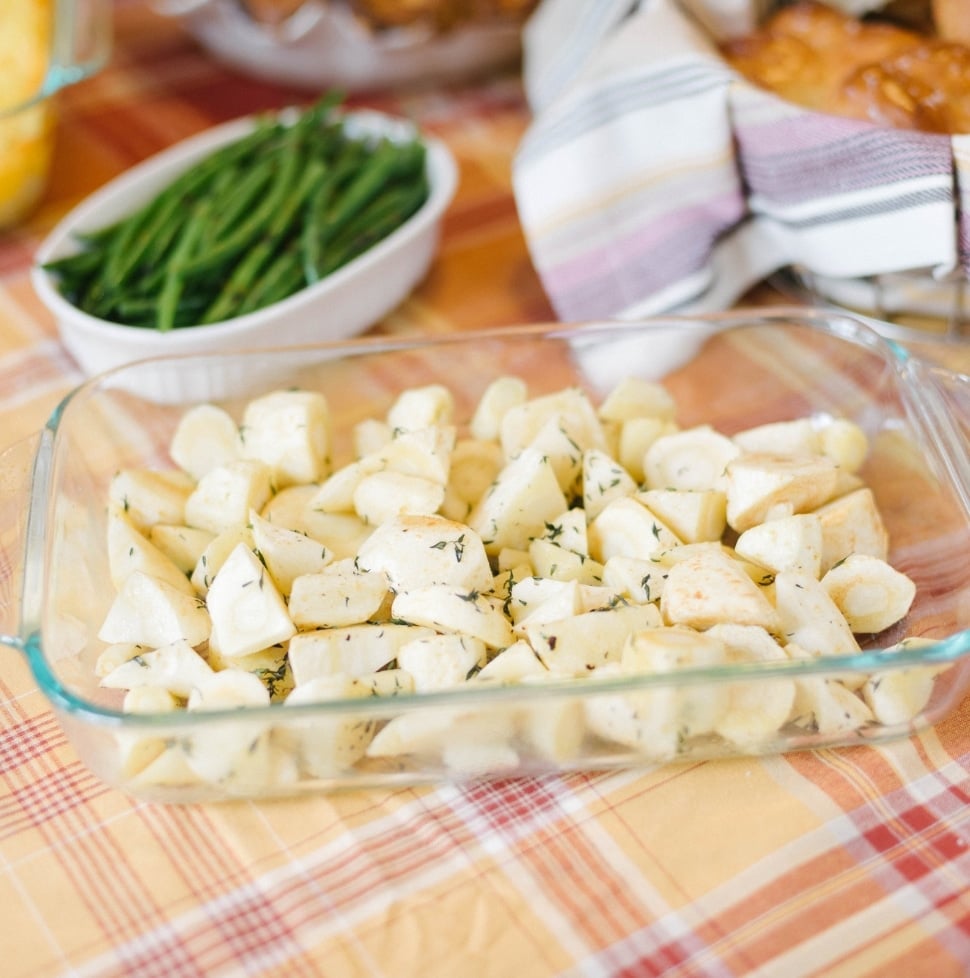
x,y
26,124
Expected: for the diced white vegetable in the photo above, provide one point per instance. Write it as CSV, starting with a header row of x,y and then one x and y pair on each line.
x,y
446,609
694,458
441,661
112,656
422,407
417,551
175,667
792,543
149,699
523,498
845,443
709,587
626,528
635,438
371,435
565,421
900,695
554,730
561,564
810,618
500,395
286,553
474,467
383,495
216,553
225,495
852,524
148,497
183,545
827,706
604,480
797,437
871,594
206,436
634,397
356,650
270,666
514,664
424,452
248,612
341,594
288,431
639,580
575,646
561,599
757,484
336,494
129,550
693,515
147,611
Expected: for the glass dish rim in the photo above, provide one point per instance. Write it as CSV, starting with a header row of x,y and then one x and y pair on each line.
x,y
835,323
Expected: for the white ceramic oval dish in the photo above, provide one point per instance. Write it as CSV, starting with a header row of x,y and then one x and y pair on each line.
x,y
345,303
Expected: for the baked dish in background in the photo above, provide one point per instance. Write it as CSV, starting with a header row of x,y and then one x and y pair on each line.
x,y
911,73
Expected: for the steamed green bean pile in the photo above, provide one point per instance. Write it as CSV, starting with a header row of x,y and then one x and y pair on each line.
x,y
249,225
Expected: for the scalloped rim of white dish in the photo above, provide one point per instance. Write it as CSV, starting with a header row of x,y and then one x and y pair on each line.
x,y
136,186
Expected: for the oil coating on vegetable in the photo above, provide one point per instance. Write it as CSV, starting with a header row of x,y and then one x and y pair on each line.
x,y
249,225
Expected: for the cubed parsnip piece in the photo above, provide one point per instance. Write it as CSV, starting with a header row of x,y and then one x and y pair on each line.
x,y
442,607
635,437
523,498
757,708
206,436
114,655
183,545
694,458
330,745
147,611
604,480
558,562
286,553
626,528
810,618
791,543
417,551
568,529
693,710
340,533
336,493
575,646
175,667
828,706
797,437
356,650
871,594
559,599
216,553
424,452
634,397
248,612
371,435
565,420
421,407
474,466
144,700
710,587
852,524
130,550
270,666
553,730
289,432
845,443
383,495
640,581
500,395
900,695
231,752
758,484
515,663
694,515
441,661
225,495
148,497
341,594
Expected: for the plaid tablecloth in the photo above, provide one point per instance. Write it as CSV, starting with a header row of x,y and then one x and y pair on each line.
x,y
839,864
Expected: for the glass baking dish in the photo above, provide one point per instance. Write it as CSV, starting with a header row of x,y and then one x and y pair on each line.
x,y
732,371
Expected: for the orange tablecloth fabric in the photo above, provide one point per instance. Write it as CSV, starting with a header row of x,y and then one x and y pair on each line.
x,y
838,864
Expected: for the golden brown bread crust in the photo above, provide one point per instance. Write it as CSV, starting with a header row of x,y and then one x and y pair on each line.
x,y
828,61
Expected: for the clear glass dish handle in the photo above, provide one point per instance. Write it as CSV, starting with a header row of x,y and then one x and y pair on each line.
x,y
18,470
81,42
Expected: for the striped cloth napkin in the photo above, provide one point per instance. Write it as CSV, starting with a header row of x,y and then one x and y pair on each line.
x,y
654,178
